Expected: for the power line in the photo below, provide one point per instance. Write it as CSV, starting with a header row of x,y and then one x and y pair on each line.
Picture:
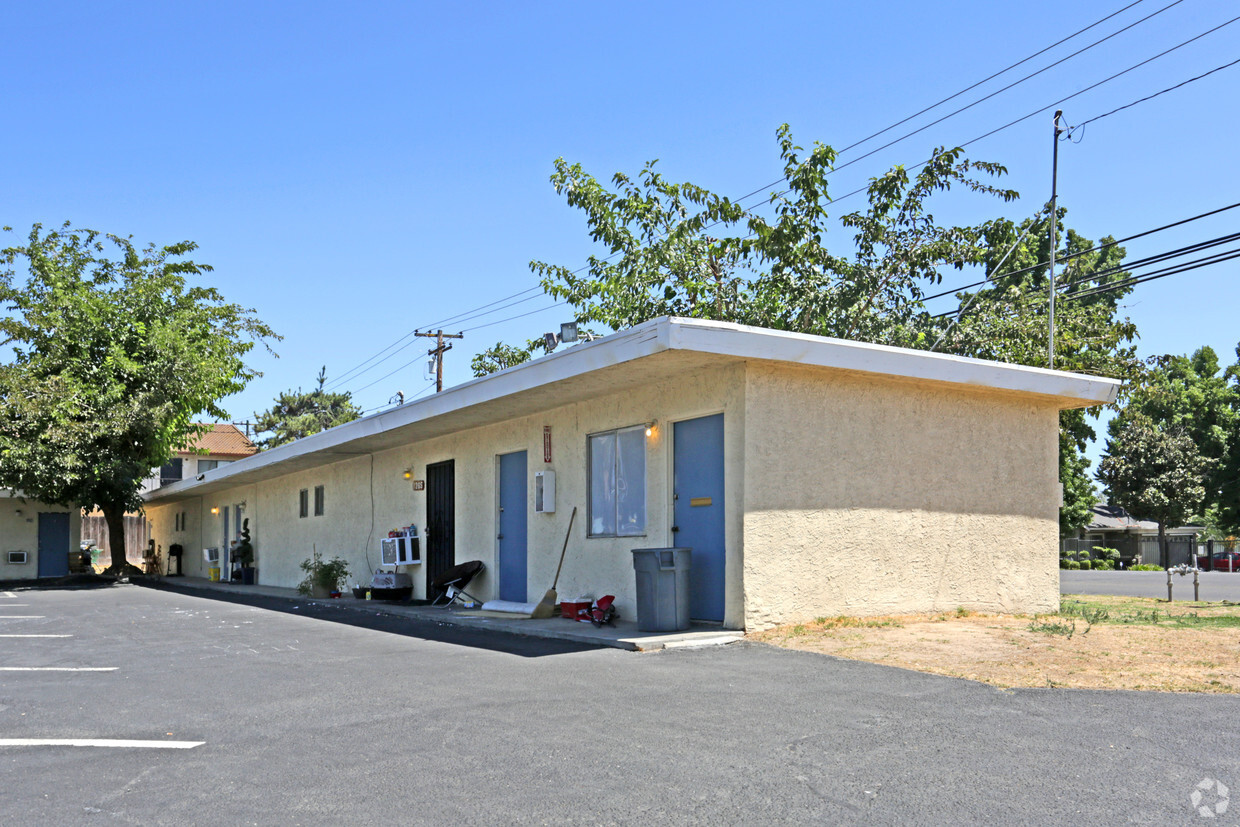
x,y
981,82
1082,124
1079,253
1133,280
1004,89
518,316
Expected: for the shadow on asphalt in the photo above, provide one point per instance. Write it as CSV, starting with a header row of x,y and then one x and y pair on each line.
x,y
71,581
380,621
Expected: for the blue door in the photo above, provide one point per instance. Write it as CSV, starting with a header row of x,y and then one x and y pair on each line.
x,y
513,516
697,495
53,545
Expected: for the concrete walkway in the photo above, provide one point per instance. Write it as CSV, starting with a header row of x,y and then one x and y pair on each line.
x,y
621,634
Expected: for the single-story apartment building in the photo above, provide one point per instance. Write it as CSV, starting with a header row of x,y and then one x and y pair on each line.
x,y
35,537
811,476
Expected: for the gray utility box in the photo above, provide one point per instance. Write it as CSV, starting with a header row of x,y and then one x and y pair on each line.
x,y
662,588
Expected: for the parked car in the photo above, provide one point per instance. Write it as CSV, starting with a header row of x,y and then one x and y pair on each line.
x,y
1223,561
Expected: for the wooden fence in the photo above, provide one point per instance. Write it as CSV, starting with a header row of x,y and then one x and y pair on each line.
x,y
137,534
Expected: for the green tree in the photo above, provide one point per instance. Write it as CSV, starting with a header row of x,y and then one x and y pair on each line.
x,y
298,414
1193,394
1227,510
113,356
499,357
1154,472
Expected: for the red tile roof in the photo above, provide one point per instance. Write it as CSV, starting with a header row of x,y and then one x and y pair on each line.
x,y
224,440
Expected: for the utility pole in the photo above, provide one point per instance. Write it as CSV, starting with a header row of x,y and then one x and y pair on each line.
x,y
1054,232
438,351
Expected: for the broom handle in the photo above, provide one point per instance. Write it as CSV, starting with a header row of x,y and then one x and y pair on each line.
x,y
571,517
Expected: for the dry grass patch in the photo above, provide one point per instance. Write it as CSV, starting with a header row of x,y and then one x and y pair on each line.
x,y
1093,642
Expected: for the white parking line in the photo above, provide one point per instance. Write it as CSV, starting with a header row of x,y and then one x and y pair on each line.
x,y
16,605
7,594
36,635
21,617
58,668
97,742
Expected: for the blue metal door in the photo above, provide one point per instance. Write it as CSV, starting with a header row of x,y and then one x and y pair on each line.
x,y
53,545
513,517
697,494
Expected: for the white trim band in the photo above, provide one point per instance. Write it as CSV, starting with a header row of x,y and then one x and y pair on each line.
x,y
97,742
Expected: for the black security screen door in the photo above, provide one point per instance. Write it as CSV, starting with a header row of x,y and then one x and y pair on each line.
x,y
440,520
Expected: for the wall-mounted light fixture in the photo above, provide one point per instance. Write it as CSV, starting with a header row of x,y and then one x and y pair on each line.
x,y
215,509
650,427
408,473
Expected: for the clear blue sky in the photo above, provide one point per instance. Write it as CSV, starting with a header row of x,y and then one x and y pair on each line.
x,y
354,172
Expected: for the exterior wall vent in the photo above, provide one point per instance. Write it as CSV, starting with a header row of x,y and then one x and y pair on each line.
x,y
18,557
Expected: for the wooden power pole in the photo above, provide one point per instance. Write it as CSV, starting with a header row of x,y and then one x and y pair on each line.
x,y
438,351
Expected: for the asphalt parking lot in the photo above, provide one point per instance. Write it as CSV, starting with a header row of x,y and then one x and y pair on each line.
x,y
284,717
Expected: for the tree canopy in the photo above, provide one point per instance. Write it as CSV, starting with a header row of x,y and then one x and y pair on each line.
x,y
298,414
1193,396
1154,472
114,353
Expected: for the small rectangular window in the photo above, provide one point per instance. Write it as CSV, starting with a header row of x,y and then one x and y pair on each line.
x,y
170,472
617,471
208,465
303,503
318,501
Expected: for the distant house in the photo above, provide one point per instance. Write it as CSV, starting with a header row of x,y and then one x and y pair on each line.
x,y
1137,540
35,537
222,444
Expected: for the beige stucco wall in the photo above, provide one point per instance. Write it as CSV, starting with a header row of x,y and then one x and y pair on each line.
x,y
867,496
595,566
19,531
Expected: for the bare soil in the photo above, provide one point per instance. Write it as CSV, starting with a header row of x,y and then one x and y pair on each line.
x,y
1094,642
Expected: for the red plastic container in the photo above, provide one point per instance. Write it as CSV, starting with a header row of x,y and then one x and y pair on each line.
x,y
570,608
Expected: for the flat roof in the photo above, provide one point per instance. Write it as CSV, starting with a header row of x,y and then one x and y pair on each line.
x,y
634,357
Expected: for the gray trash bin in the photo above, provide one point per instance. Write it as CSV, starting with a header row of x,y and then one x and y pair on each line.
x,y
662,588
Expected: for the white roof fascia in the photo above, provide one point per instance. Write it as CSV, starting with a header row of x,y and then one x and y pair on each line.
x,y
783,346
665,334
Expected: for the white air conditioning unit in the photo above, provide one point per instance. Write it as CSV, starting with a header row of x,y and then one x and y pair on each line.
x,y
211,555
401,550
18,556
544,492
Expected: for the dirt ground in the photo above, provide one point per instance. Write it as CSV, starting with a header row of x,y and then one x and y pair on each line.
x,y
1095,642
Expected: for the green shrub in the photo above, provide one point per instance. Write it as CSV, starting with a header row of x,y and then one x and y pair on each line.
x,y
1104,553
1072,564
1082,555
1145,567
1103,565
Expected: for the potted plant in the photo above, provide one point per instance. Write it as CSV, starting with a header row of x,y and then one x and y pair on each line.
x,y
243,554
323,577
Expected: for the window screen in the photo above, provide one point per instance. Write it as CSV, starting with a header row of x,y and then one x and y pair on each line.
x,y
617,462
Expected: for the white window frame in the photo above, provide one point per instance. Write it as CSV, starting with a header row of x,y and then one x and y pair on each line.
x,y
623,483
